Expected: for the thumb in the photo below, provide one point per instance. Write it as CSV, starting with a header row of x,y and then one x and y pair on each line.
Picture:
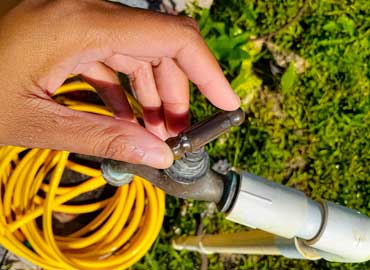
x,y
98,135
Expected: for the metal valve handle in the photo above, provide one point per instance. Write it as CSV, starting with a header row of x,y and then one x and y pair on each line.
x,y
198,135
191,161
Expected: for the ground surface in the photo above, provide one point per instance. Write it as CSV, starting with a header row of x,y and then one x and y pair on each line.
x,y
302,70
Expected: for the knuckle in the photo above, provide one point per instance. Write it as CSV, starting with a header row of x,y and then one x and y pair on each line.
x,y
190,30
114,146
117,147
77,17
143,68
190,23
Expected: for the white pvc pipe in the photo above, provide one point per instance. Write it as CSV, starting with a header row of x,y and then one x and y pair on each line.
x,y
275,208
337,233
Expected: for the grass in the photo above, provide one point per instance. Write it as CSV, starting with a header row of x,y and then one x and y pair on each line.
x,y
305,82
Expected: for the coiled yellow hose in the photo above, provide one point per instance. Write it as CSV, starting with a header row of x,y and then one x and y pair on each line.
x,y
124,229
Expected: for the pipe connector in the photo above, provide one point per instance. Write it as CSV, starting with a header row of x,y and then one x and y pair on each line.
x,y
345,235
191,167
113,173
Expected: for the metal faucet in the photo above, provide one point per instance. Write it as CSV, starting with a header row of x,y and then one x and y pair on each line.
x,y
190,176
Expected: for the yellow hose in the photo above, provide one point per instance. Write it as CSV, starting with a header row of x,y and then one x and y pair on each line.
x,y
123,230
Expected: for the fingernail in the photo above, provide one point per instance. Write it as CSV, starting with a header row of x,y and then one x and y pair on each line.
x,y
237,99
234,102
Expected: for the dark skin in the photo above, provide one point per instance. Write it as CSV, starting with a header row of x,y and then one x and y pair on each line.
x,y
43,41
6,5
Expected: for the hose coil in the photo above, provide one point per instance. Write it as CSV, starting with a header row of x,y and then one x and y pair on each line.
x,y
124,227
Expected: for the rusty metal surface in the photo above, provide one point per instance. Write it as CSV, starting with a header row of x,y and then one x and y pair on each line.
x,y
209,187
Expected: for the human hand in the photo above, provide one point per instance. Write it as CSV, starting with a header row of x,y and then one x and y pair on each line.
x,y
43,41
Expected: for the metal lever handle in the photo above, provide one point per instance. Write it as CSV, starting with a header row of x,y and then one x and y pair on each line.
x,y
200,134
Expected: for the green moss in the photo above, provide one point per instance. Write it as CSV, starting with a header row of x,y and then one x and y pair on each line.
x,y
310,131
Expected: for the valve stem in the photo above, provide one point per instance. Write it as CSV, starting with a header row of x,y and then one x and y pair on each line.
x,y
198,135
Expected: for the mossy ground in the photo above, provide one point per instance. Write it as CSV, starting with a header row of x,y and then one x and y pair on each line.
x,y
306,90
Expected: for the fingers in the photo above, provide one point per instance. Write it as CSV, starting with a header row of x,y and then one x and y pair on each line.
x,y
173,37
173,88
201,67
90,134
106,83
144,84
147,94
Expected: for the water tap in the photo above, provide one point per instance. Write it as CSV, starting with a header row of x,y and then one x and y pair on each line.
x,y
191,161
190,176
